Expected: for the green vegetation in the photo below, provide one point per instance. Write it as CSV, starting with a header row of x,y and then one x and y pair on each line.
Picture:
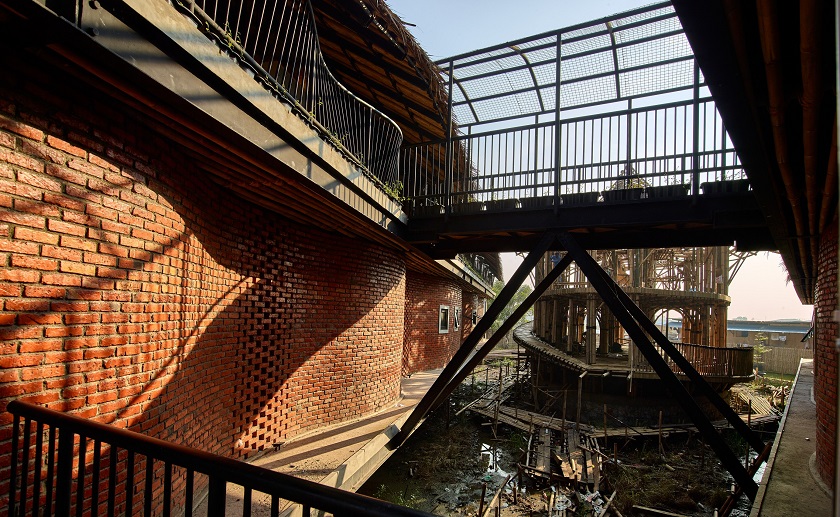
x,y
514,303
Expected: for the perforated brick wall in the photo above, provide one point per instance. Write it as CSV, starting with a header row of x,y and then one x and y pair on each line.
x,y
134,291
825,354
425,347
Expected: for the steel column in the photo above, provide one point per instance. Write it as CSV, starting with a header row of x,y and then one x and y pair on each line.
x,y
620,307
448,173
463,353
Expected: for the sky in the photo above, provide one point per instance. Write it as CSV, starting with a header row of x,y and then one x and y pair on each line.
x,y
448,28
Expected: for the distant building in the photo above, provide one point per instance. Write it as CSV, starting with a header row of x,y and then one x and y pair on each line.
x,y
779,333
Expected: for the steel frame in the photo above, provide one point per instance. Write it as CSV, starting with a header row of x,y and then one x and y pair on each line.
x,y
635,323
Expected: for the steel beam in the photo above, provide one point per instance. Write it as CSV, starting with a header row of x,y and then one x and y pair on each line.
x,y
460,358
607,289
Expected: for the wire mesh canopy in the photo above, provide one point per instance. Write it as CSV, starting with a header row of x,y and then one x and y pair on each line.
x,y
629,55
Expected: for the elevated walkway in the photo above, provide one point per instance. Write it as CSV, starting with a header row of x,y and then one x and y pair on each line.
x,y
721,367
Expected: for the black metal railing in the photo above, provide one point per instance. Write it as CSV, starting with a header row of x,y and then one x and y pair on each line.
x,y
65,465
648,152
710,361
611,110
278,40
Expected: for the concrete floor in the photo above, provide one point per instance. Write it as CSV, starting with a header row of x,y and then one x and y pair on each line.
x,y
790,485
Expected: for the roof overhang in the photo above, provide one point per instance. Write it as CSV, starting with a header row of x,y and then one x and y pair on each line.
x,y
770,66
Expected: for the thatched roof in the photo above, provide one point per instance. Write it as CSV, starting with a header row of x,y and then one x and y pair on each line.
x,y
369,50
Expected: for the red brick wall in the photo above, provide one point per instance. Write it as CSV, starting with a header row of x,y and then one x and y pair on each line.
x,y
424,347
134,291
472,302
825,354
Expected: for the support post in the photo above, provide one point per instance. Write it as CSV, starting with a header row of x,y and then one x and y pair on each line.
x,y
558,135
695,157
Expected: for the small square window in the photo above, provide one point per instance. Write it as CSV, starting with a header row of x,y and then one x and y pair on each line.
x,y
443,319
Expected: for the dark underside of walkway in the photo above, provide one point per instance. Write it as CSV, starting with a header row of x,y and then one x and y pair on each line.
x,y
732,219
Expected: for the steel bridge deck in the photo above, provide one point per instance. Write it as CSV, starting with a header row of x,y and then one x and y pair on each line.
x,y
732,219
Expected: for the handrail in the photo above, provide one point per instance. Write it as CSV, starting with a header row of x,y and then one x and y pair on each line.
x,y
710,361
280,44
598,153
74,434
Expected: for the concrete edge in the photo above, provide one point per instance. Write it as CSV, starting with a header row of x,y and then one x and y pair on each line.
x,y
351,474
339,177
812,468
768,468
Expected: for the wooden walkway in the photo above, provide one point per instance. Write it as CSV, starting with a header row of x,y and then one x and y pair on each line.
x,y
560,450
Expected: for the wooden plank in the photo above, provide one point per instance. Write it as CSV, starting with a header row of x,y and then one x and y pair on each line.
x,y
654,511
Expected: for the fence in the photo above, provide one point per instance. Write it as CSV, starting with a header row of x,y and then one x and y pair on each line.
x,y
709,361
783,360
278,40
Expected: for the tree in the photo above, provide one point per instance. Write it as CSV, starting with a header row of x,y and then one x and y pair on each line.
x,y
515,302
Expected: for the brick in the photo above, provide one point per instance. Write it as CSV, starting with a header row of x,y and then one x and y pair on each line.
x,y
39,181
19,128
16,217
39,319
30,262
18,275
65,146
21,160
28,234
61,253
63,227
61,279
67,266
66,174
78,243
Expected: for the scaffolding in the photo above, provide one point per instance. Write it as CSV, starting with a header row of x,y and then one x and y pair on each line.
x,y
684,290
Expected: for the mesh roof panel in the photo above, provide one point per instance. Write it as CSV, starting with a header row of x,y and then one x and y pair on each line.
x,y
503,82
650,80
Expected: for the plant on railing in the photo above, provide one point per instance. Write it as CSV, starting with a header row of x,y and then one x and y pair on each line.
x,y
395,190
233,42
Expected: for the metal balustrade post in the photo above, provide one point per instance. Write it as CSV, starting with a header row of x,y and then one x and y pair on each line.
x,y
558,100
14,466
628,168
216,497
64,473
695,138
448,150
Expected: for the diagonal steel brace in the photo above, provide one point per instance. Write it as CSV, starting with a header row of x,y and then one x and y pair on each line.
x,y
506,326
607,289
463,353
696,378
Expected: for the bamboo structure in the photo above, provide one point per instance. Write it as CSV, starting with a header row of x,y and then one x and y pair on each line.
x,y
692,282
